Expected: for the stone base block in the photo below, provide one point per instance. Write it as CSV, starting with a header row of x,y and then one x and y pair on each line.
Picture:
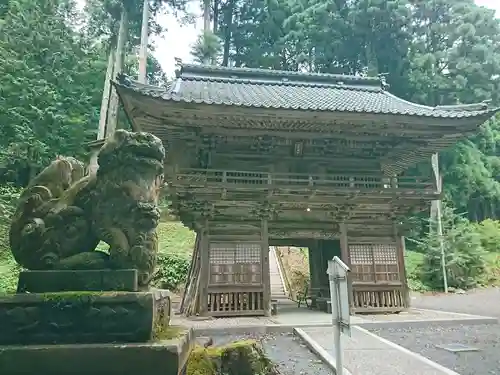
x,y
82,317
63,281
166,357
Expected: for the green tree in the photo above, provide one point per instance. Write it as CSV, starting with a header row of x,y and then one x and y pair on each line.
x,y
464,253
51,81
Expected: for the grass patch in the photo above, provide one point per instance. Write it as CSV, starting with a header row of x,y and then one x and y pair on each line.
x,y
168,333
175,238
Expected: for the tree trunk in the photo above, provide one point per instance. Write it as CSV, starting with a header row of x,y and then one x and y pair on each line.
x,y
120,48
206,15
143,53
228,21
216,16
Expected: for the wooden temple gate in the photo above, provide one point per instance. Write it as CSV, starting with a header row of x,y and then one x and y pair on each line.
x,y
259,158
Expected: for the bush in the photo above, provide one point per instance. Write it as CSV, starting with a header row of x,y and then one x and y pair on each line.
x,y
465,257
489,231
413,262
171,271
176,243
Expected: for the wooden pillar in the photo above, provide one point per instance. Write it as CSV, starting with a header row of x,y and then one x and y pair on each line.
x,y
314,270
345,256
204,268
400,248
324,287
266,281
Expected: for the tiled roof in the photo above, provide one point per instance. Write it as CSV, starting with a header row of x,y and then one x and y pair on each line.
x,y
259,88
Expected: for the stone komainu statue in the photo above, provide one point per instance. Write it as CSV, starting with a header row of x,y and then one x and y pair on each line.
x,y
62,214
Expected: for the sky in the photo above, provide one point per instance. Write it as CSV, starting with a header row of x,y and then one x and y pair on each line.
x,y
177,40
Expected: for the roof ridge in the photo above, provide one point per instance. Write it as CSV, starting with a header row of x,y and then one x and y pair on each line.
x,y
192,70
267,82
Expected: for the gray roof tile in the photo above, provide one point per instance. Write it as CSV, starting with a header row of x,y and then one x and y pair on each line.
x,y
259,88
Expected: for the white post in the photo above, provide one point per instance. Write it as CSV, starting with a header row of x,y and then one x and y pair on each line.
x,y
437,213
337,343
337,276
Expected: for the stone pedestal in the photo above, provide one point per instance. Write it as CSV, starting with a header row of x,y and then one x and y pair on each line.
x,y
165,357
81,317
106,326
64,281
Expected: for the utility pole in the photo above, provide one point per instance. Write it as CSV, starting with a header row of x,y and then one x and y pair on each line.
x,y
143,52
436,214
103,115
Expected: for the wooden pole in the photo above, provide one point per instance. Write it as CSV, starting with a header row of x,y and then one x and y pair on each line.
x,y
120,48
266,281
344,251
204,269
400,248
143,52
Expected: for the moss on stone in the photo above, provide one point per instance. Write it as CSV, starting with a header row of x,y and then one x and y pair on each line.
x,y
74,298
244,357
168,333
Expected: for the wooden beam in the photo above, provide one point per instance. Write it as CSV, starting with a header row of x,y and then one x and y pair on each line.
x,y
205,268
266,281
401,251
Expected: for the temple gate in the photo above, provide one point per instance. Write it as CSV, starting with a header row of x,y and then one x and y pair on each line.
x,y
260,157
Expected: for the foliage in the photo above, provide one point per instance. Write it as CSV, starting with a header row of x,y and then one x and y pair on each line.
x,y
51,80
207,48
175,243
295,263
8,197
413,263
464,254
489,231
8,267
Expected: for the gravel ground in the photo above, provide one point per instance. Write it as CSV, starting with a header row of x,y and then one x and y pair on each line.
x,y
287,351
486,338
484,302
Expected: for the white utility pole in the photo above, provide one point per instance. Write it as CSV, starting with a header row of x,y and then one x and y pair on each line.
x,y
436,214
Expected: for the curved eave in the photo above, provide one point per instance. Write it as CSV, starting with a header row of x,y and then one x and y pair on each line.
x,y
401,107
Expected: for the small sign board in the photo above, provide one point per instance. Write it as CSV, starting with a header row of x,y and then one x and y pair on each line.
x,y
339,293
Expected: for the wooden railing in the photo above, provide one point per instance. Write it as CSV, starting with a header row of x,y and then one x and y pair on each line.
x,y
370,298
228,178
235,303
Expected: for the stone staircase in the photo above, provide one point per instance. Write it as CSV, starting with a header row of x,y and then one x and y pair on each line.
x,y
278,290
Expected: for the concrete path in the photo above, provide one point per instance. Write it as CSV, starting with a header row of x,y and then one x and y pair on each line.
x,y
278,290
368,354
479,302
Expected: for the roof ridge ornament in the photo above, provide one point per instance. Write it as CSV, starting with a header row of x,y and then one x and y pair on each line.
x,y
383,80
123,79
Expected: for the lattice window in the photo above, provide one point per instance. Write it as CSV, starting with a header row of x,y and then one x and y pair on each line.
x,y
374,262
235,263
